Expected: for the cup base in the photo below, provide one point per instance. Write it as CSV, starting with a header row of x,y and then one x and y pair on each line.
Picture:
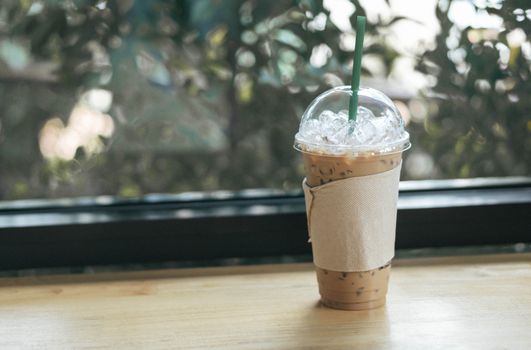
x,y
360,290
366,305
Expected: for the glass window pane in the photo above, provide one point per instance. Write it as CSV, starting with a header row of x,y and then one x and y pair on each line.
x,y
134,97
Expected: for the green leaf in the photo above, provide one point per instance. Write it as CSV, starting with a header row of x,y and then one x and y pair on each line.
x,y
289,38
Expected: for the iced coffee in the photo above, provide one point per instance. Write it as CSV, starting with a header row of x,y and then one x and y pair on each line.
x,y
336,149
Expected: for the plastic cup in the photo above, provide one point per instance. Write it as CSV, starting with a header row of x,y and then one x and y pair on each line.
x,y
326,161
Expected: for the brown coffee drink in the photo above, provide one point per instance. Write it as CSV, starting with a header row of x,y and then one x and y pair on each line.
x,y
345,289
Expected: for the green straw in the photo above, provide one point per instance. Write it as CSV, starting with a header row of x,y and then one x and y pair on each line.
x,y
356,67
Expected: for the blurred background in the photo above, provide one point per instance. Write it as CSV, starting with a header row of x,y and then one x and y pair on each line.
x,y
132,97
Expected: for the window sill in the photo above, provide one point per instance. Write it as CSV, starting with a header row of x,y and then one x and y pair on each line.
x,y
249,224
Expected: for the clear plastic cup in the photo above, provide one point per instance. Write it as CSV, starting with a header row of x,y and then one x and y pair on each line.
x,y
370,145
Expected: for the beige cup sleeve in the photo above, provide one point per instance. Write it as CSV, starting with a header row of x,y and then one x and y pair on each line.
x,y
352,222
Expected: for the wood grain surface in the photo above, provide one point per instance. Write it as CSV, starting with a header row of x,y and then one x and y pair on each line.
x,y
481,302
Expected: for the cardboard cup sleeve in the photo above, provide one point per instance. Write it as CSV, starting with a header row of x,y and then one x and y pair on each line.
x,y
352,222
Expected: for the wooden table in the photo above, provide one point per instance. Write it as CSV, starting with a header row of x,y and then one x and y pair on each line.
x,y
481,302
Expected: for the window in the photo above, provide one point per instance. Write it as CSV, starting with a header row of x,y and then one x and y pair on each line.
x,y
127,99
132,98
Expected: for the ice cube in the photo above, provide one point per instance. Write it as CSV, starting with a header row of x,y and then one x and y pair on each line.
x,y
363,130
372,130
327,117
328,128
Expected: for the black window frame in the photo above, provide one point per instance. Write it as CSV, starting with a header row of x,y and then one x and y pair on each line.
x,y
246,224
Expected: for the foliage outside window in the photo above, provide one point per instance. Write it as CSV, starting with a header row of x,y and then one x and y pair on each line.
x,y
134,97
